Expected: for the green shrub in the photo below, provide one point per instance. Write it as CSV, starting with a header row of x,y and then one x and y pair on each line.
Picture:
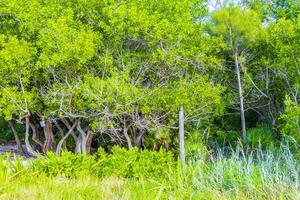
x,y
68,164
120,162
135,163
153,164
261,137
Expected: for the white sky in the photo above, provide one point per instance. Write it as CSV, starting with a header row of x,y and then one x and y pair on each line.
x,y
216,4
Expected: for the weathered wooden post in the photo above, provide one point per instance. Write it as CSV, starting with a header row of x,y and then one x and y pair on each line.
x,y
181,135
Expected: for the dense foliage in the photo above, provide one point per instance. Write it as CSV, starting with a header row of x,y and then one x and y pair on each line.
x,y
82,74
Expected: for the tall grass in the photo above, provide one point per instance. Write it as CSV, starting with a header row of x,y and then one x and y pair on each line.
x,y
256,174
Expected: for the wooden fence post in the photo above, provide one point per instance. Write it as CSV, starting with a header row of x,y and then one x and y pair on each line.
x,y
181,135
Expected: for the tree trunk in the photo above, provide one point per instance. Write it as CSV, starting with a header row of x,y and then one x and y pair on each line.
x,y
67,124
59,145
49,144
17,139
89,140
35,135
82,139
138,140
29,148
61,131
239,82
125,132
181,135
78,148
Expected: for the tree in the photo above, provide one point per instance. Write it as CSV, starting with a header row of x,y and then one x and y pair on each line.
x,y
119,69
238,28
282,48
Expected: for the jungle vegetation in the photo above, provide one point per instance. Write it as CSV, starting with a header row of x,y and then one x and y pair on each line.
x,y
92,89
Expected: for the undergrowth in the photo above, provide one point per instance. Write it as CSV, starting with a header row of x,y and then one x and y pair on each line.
x,y
142,174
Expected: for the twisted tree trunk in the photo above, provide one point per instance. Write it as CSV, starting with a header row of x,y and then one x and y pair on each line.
x,y
35,135
59,145
67,124
61,131
82,139
29,148
49,144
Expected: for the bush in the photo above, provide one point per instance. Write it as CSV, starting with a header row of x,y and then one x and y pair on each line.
x,y
120,162
135,163
68,164
261,137
153,164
